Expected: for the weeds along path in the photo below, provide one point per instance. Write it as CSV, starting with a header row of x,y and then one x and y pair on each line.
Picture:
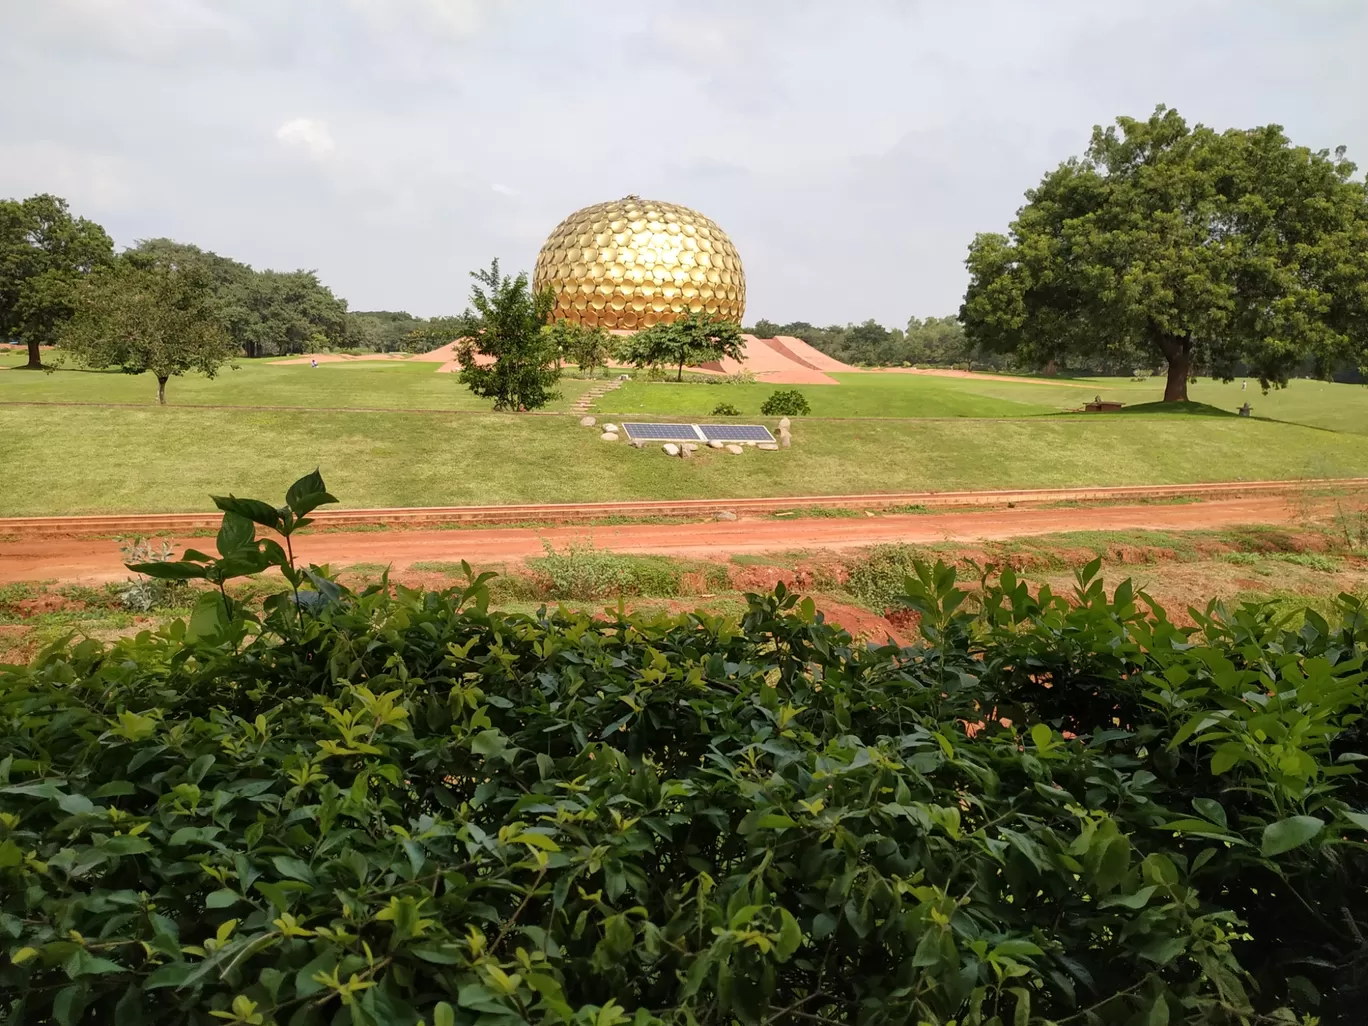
x,y
98,560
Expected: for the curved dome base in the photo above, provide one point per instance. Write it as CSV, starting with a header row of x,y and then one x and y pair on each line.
x,y
631,263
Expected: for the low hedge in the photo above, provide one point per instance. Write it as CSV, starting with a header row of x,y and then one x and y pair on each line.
x,y
392,806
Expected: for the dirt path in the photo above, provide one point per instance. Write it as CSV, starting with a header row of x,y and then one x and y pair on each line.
x,y
94,561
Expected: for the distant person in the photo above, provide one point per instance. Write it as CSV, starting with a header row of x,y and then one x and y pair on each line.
x,y
1244,384
313,363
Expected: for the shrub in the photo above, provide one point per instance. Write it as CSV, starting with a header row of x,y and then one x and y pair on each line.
x,y
786,403
725,410
581,571
379,806
142,593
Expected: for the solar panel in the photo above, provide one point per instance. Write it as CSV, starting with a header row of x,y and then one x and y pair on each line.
x,y
736,432
664,432
698,432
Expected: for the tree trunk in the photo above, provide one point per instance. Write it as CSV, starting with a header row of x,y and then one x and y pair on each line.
x,y
680,375
35,357
161,389
1178,352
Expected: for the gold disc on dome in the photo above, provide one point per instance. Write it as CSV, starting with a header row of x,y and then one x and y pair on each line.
x,y
628,249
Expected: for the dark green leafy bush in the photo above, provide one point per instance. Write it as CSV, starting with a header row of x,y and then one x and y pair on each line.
x,y
391,806
725,410
786,403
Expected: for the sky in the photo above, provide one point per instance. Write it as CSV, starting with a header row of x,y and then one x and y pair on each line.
x,y
850,148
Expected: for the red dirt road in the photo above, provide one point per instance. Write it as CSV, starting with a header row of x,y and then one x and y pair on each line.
x,y
97,560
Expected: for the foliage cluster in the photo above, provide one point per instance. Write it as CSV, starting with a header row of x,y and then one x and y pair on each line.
x,y
588,348
693,339
147,314
786,402
520,363
725,410
45,253
582,571
1221,252
389,806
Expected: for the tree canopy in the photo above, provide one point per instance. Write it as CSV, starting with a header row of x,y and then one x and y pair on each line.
x,y
692,339
505,323
587,347
1224,252
266,313
148,314
44,254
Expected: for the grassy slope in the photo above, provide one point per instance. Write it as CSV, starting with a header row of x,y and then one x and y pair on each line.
x,y
382,384
92,459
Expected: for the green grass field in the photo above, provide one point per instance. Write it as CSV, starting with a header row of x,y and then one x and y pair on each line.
x,y
101,459
919,433
375,384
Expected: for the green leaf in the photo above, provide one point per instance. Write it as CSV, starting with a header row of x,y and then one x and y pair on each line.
x,y
125,845
222,898
1289,833
169,571
1359,819
443,1015
1211,809
293,868
1042,737
235,533
790,936
170,975
774,821
1137,900
307,494
69,1004
255,510
208,619
823,925
489,743
1226,756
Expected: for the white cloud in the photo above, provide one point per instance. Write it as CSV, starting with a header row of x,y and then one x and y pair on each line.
x,y
504,190
309,134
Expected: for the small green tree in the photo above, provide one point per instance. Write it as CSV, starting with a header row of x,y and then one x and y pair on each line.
x,y
692,339
45,253
148,315
588,348
506,324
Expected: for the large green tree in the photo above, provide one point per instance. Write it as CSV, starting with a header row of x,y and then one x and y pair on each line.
x,y
44,254
144,314
267,313
692,339
1223,252
505,324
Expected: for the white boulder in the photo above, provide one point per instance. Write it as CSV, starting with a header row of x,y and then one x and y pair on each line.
x,y
588,421
670,449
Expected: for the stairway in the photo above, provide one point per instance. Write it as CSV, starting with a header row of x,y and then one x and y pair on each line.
x,y
596,392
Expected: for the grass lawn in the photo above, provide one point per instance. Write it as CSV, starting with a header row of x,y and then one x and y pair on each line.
x,y
100,460
381,384
857,395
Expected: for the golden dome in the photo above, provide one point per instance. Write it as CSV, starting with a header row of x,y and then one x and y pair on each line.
x,y
631,263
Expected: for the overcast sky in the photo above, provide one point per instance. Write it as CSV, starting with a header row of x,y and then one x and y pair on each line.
x,y
850,148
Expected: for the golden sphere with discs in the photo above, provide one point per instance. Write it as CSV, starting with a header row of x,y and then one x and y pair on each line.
x,y
631,263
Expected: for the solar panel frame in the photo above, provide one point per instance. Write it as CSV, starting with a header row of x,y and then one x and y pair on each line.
x,y
697,432
736,432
